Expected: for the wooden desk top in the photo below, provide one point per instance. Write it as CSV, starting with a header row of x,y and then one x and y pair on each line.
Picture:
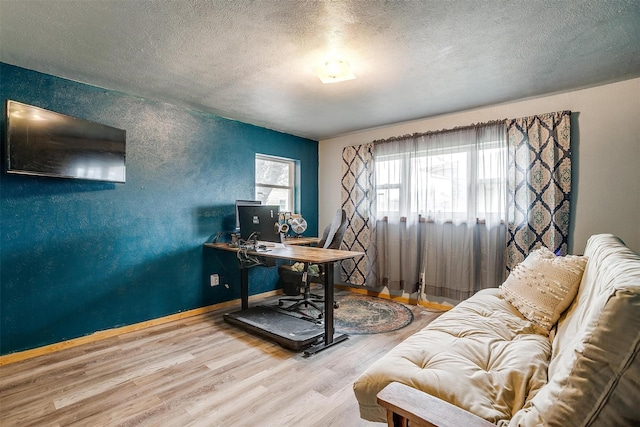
x,y
301,240
295,253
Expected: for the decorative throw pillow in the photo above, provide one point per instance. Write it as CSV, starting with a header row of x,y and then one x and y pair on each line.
x,y
543,285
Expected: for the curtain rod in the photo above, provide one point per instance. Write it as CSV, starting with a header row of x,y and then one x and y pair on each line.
x,y
434,132
458,128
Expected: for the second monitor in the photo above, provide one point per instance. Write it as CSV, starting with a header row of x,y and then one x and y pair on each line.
x,y
259,223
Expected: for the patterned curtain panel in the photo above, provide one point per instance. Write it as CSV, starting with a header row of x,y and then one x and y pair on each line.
x,y
539,185
358,201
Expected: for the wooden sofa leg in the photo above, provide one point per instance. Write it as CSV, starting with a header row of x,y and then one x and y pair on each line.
x,y
397,420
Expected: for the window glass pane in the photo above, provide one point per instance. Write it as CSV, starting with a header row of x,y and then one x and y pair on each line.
x,y
388,172
491,194
443,179
388,199
490,163
272,172
282,197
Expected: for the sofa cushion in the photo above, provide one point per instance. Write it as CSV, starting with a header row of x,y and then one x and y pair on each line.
x,y
482,356
543,285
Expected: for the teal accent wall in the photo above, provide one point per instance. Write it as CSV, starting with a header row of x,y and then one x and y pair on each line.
x,y
82,256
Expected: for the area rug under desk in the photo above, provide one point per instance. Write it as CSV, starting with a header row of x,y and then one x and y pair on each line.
x,y
362,314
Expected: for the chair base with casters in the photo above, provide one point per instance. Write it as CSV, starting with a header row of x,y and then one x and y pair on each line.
x,y
307,299
331,239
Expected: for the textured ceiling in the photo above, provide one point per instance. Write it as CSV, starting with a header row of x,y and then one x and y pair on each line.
x,y
252,60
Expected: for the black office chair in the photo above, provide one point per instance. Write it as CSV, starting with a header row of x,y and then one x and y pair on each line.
x,y
334,231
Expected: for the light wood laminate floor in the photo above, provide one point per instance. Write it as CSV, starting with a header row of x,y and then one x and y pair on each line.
x,y
198,371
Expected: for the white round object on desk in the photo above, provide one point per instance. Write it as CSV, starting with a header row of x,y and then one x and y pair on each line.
x,y
298,225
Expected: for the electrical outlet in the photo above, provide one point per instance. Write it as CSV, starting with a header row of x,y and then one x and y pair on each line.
x,y
215,280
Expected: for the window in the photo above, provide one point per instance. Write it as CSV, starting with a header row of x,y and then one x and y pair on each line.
x,y
423,184
450,180
275,181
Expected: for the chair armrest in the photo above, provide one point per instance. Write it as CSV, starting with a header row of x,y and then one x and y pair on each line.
x,y
409,406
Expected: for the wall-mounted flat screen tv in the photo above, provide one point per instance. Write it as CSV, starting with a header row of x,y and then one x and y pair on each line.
x,y
45,143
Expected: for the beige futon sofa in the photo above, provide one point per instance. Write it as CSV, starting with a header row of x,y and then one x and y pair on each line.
x,y
517,356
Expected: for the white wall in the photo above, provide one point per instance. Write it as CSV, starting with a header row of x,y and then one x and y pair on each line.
x,y
605,147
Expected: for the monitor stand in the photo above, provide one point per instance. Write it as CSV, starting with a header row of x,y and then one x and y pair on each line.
x,y
291,330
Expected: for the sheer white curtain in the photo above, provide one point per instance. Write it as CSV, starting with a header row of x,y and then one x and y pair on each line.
x,y
440,203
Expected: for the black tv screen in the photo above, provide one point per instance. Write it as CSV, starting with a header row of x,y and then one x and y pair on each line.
x,y
45,143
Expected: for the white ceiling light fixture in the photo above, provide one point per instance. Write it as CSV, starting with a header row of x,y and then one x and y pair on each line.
x,y
334,71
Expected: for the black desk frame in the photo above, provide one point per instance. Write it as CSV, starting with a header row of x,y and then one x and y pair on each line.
x,y
330,338
327,257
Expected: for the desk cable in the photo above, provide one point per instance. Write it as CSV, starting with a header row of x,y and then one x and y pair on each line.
x,y
244,246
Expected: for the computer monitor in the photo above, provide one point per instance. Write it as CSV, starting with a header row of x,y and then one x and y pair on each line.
x,y
261,220
244,203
